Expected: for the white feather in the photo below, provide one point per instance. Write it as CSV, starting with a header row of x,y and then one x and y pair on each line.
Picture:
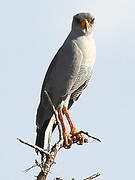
x,y
48,133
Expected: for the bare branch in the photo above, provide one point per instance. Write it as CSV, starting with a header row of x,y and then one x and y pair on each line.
x,y
86,133
89,178
50,160
56,116
33,146
49,157
93,176
28,169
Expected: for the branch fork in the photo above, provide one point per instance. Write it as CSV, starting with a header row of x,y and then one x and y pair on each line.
x,y
49,159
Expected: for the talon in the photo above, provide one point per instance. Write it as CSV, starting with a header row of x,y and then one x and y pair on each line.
x,y
74,136
78,138
68,141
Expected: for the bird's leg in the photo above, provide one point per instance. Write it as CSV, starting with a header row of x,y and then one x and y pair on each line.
x,y
77,137
67,137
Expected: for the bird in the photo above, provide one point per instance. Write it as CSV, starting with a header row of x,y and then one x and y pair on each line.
x,y
67,76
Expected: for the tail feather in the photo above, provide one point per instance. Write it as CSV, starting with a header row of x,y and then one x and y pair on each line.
x,y
48,133
44,134
41,134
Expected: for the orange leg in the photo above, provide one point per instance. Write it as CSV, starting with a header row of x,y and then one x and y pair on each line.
x,y
77,137
67,137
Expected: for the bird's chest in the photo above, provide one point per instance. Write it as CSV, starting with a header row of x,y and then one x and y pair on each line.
x,y
88,49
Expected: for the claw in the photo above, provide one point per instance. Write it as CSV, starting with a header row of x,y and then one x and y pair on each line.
x,y
78,138
68,141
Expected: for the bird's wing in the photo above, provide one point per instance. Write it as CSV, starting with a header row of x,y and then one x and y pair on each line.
x,y
76,93
65,70
59,79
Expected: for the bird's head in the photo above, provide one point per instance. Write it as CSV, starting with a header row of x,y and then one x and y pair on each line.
x,y
83,23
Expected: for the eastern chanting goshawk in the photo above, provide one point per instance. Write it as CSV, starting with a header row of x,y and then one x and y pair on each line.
x,y
66,78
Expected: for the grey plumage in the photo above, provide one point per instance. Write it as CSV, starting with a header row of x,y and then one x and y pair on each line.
x,y
68,74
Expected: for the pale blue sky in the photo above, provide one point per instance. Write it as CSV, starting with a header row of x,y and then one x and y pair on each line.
x,y
31,32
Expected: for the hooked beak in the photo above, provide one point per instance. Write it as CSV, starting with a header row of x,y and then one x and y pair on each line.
x,y
85,24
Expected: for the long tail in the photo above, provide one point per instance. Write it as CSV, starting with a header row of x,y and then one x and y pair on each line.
x,y
44,134
41,134
48,133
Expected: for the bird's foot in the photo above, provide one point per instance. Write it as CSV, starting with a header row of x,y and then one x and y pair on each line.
x,y
68,141
77,137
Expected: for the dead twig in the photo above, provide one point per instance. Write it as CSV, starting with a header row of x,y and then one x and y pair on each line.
x,y
50,160
93,176
28,169
56,116
86,133
89,178
33,146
